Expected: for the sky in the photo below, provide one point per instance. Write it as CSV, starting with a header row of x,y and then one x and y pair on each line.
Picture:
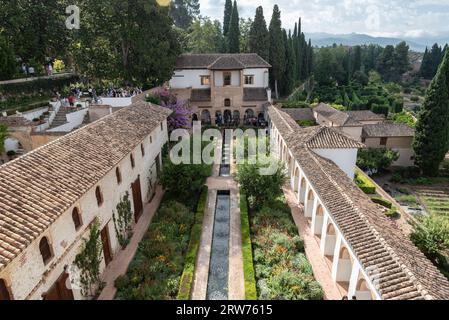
x,y
386,18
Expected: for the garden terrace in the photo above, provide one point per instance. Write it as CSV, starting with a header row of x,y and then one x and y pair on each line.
x,y
369,255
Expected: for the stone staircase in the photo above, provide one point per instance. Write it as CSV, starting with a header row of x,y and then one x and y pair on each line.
x,y
60,118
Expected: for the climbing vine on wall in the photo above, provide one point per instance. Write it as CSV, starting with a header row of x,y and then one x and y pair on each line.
x,y
88,262
122,221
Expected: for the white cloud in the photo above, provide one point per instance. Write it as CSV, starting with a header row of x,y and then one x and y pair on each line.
x,y
408,18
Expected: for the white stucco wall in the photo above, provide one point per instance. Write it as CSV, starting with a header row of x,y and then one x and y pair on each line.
x,y
11,144
33,114
117,102
28,276
74,120
189,79
345,159
260,77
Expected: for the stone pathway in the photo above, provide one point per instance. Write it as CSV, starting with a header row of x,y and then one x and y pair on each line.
x,y
122,259
321,269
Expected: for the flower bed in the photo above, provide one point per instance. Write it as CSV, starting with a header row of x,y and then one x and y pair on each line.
x,y
155,272
185,287
281,267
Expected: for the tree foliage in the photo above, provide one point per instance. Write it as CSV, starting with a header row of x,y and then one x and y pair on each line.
x,y
432,130
258,37
183,12
233,36
8,64
260,188
376,159
277,49
3,136
205,36
431,61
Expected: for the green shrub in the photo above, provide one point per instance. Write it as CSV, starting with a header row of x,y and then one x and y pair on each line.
x,y
185,287
248,267
407,199
380,109
392,213
295,105
364,184
414,98
307,123
385,203
376,159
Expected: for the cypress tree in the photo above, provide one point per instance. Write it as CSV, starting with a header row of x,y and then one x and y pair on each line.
x,y
288,79
227,17
432,130
277,49
259,39
234,31
357,63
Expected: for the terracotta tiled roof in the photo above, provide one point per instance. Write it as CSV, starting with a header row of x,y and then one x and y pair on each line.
x,y
38,187
391,260
255,94
227,63
15,121
337,117
300,114
204,61
365,115
387,130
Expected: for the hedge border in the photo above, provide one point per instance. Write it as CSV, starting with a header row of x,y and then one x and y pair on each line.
x,y
381,201
364,184
185,285
247,251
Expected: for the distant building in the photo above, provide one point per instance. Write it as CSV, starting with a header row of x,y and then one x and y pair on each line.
x,y
397,137
50,197
222,88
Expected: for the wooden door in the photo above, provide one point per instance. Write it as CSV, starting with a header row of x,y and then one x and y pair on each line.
x,y
60,290
137,199
106,245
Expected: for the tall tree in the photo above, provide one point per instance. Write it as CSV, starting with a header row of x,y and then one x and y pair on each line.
x,y
234,31
432,130
277,49
245,29
385,64
401,59
8,64
259,39
288,80
227,17
130,40
205,36
184,11
357,59
3,136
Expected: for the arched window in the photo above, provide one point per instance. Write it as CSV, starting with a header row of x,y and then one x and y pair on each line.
x,y
151,139
76,217
4,292
99,196
142,149
131,157
44,248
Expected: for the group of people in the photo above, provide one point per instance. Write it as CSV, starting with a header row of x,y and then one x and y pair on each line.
x,y
121,92
30,71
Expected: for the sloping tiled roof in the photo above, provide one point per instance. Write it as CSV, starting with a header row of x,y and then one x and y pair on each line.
x,y
204,61
365,115
38,187
387,130
227,63
198,95
337,117
399,269
300,114
255,94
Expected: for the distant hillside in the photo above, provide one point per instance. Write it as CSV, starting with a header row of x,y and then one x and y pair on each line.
x,y
353,39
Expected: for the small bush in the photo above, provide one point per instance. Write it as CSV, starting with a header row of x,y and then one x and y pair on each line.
x,y
385,203
407,199
364,184
248,267
392,213
307,123
414,98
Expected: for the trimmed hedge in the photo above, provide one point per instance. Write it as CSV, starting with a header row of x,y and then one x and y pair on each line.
x,y
185,286
392,213
38,85
364,184
385,203
247,250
